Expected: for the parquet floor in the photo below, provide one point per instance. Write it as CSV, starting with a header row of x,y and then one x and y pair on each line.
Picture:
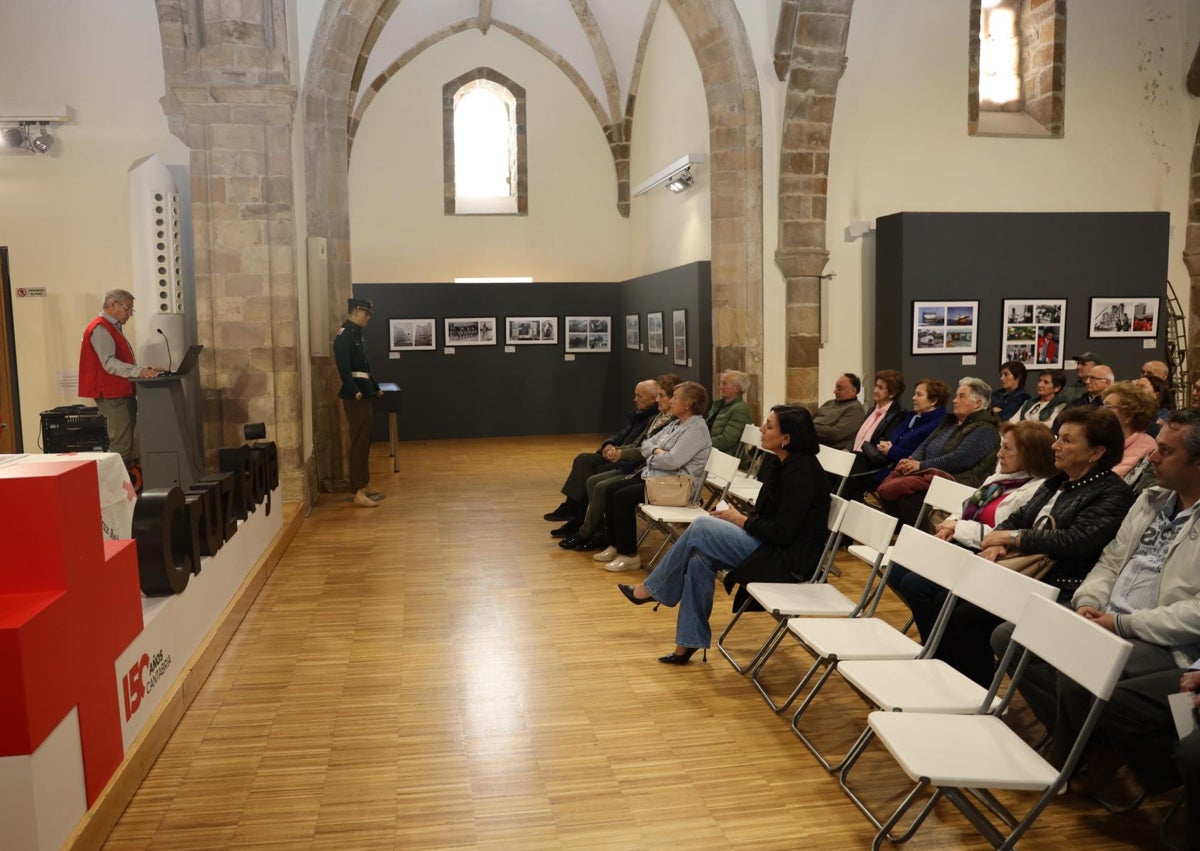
x,y
436,673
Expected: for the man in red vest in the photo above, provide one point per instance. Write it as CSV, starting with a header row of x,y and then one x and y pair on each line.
x,y
106,364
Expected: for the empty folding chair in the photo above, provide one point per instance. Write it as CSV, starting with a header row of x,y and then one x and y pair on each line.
x,y
750,451
832,641
959,754
836,462
719,471
837,511
943,494
927,685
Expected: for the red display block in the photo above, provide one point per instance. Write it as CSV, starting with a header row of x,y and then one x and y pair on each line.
x,y
69,604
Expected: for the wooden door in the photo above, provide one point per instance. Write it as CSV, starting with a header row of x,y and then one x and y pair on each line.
x,y
10,406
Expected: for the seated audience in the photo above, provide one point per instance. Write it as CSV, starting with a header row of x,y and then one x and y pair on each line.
x,y
1158,369
1145,588
779,541
590,535
1096,379
929,408
1026,460
1161,392
729,415
1087,502
963,445
1008,398
837,420
1083,362
1049,402
681,448
605,458
1134,408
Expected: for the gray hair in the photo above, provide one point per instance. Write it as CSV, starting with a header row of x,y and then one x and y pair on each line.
x,y
739,379
980,390
1188,421
116,297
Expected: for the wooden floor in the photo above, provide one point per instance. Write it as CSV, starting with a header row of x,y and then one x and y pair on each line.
x,y
437,673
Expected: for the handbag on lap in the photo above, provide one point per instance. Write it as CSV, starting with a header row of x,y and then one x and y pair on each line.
x,y
1034,565
669,490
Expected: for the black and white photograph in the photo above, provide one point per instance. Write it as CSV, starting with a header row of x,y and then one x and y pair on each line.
x,y
679,334
944,327
654,333
477,331
1123,317
633,331
530,330
1032,332
589,333
406,335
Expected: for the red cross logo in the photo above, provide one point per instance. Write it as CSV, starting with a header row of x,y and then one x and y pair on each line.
x,y
69,604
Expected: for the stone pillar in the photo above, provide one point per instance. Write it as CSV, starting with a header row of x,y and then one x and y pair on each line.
x,y
817,61
230,100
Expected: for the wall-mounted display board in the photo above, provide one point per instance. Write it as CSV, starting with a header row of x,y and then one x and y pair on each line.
x,y
456,379
1038,280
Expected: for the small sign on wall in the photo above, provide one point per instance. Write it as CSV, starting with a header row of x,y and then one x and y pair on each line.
x,y
31,292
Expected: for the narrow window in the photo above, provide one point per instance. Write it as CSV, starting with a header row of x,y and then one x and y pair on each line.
x,y
1017,68
485,152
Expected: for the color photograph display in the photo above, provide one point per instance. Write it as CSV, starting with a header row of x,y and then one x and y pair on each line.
x,y
1032,332
945,327
1123,317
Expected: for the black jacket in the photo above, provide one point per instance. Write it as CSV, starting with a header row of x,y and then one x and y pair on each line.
x,y
635,423
890,422
791,520
1088,514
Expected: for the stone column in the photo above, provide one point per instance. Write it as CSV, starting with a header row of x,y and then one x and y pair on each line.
x,y
818,58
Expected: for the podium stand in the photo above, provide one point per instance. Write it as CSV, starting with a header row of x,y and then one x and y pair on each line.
x,y
165,424
389,403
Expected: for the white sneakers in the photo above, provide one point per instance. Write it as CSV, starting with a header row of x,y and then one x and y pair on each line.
x,y
605,555
621,563
363,501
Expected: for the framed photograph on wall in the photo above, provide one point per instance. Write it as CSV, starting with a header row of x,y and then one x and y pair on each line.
x,y
654,333
633,331
530,330
1032,332
589,334
477,331
945,327
1123,317
679,335
407,335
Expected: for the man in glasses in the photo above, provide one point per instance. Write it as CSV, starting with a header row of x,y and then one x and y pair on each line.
x,y
106,364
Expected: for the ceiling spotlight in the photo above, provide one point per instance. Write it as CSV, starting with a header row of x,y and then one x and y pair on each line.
x,y
43,142
13,137
682,181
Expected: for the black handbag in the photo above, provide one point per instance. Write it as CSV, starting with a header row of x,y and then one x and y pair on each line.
x,y
872,457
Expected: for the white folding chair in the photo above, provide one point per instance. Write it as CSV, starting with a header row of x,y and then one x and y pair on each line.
x,y
751,448
836,462
719,471
837,511
785,600
926,685
833,641
943,494
960,754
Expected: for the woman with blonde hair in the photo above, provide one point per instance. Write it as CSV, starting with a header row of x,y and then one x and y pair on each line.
x,y
1135,410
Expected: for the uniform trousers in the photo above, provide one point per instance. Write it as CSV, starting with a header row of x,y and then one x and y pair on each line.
x,y
358,418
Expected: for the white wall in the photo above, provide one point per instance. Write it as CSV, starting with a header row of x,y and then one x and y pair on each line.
x,y
573,231
670,119
900,142
65,216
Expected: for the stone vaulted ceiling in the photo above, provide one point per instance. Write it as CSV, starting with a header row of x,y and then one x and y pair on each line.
x,y
597,43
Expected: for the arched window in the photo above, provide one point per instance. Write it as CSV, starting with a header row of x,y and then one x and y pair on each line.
x,y
1017,68
484,127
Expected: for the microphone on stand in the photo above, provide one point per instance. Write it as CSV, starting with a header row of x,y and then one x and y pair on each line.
x,y
170,360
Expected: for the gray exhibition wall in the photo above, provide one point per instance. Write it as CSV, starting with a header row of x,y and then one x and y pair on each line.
x,y
486,391
990,257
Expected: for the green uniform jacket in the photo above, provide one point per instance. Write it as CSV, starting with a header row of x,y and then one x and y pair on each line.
x,y
726,422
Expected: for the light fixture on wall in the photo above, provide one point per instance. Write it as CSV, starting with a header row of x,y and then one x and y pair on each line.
x,y
677,176
25,129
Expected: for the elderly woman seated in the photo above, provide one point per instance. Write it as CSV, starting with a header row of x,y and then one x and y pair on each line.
x,y
1008,398
963,445
729,414
1049,402
1134,409
779,541
679,449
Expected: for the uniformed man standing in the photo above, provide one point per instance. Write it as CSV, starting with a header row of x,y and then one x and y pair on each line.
x,y
358,388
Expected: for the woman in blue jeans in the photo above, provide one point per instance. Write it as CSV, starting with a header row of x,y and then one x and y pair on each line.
x,y
780,541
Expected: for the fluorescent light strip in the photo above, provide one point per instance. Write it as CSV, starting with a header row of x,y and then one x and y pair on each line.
x,y
514,280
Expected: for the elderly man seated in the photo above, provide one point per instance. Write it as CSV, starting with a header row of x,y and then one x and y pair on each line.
x,y
838,420
606,457
729,414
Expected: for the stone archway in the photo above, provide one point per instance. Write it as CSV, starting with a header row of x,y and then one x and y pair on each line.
x,y
722,49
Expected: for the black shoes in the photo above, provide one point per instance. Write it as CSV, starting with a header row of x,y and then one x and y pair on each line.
x,y
567,529
627,590
680,658
574,542
563,512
